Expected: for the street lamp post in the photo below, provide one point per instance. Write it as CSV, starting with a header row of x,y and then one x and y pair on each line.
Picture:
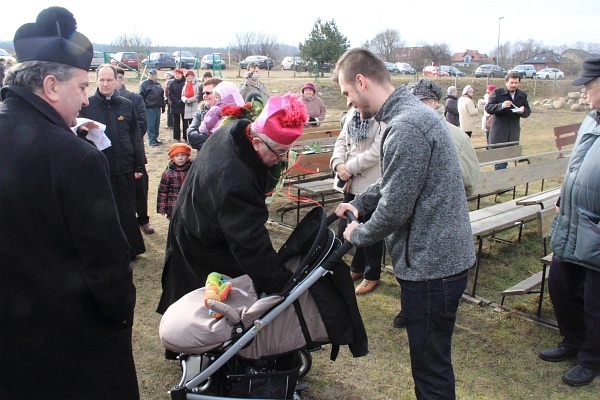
x,y
498,48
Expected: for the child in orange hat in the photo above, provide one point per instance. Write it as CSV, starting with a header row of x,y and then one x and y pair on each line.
x,y
173,177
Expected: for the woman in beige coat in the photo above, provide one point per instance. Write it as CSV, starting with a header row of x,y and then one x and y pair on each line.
x,y
355,159
467,112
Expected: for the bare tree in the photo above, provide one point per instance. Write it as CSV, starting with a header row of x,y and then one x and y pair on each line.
x,y
242,44
134,40
267,45
385,44
436,54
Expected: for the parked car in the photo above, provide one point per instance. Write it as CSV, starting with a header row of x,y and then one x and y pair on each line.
x,y
126,59
262,61
289,63
391,67
491,70
207,61
525,71
160,60
406,68
9,58
97,60
452,71
434,70
550,73
184,59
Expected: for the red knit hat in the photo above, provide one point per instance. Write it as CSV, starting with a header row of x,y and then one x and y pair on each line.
x,y
178,70
177,148
490,88
282,119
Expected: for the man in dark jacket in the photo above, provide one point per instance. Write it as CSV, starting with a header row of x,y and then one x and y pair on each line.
x,y
153,94
141,185
574,277
66,287
218,223
174,91
508,104
126,155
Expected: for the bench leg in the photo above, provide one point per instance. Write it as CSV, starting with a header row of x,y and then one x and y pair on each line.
x,y
543,284
477,265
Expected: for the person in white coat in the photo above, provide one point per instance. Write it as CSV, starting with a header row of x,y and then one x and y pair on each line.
x,y
355,160
467,112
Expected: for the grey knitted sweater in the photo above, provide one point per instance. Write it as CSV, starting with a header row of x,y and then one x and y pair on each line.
x,y
419,201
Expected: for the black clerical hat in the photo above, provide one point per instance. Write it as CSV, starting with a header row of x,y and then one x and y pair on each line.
x,y
47,40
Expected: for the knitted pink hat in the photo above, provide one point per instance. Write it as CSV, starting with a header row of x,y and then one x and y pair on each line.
x,y
282,119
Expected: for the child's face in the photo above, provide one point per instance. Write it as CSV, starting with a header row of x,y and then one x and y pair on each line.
x,y
180,158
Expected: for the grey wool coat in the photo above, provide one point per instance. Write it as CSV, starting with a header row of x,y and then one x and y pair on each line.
x,y
419,202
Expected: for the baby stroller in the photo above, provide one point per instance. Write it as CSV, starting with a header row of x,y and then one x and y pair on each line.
x,y
261,345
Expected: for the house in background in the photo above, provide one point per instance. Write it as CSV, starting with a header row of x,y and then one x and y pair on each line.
x,y
545,59
469,60
411,55
572,59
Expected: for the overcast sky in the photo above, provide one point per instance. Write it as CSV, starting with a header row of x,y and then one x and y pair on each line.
x,y
461,24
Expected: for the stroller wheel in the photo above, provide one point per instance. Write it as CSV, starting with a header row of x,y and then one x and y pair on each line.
x,y
306,363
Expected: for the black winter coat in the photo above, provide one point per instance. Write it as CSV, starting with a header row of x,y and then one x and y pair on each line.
x,y
175,90
506,126
153,94
451,111
66,286
126,154
218,223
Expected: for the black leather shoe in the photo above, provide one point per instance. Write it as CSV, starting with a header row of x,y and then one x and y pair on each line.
x,y
580,376
400,321
560,352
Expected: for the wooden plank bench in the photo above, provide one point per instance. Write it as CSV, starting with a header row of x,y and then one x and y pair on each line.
x,y
489,221
544,219
565,135
493,153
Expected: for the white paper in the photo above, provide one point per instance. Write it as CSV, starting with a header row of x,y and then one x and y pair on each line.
x,y
96,135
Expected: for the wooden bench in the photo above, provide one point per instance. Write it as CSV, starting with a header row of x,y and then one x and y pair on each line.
x,y
487,154
489,221
527,286
565,135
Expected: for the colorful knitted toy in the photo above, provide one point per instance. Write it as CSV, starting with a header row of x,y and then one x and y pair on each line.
x,y
215,289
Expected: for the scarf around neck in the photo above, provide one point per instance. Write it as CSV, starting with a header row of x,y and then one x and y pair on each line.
x,y
358,129
189,90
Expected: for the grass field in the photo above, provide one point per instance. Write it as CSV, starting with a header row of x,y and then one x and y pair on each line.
x,y
495,353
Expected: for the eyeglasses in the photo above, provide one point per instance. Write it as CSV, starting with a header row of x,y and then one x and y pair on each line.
x,y
278,155
206,93
585,90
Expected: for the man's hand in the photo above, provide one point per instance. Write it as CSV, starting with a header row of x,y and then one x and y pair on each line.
x,y
507,104
137,175
341,209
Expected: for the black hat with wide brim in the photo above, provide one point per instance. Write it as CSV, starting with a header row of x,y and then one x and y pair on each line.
x,y
590,70
33,42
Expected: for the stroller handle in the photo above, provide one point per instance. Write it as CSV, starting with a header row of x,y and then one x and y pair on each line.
x,y
345,247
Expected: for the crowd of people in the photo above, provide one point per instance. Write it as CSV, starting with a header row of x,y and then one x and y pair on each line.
x,y
406,166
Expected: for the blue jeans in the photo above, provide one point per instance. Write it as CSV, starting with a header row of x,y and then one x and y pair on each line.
x,y
153,123
430,310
